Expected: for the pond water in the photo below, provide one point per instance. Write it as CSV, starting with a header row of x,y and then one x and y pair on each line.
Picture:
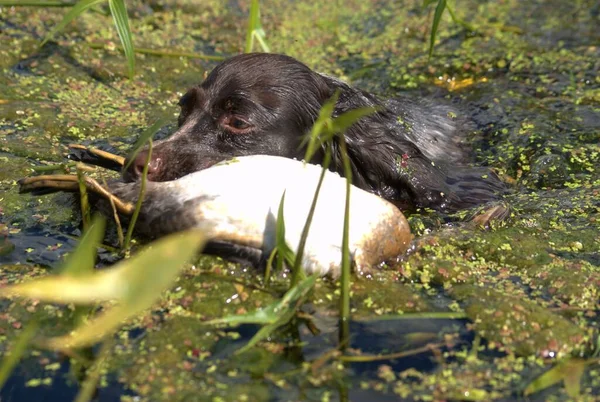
x,y
526,293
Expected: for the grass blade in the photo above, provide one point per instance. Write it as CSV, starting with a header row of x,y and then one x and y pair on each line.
x,y
347,119
136,283
260,37
119,14
255,30
253,24
83,259
437,16
314,140
284,253
73,13
280,245
262,333
284,312
323,132
272,313
280,234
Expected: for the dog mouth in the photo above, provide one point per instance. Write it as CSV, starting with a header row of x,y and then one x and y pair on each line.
x,y
161,168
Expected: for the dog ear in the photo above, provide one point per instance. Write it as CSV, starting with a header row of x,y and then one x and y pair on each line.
x,y
386,162
393,167
384,158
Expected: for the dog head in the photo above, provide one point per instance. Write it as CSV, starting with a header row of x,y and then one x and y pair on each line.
x,y
250,104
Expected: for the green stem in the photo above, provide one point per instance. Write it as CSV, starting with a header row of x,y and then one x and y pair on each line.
x,y
90,385
345,276
297,270
138,205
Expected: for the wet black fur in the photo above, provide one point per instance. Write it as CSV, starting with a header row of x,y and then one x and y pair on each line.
x,y
409,152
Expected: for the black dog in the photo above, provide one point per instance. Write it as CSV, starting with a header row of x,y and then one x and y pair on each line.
x,y
408,152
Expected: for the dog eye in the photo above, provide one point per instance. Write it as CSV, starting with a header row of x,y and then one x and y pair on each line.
x,y
236,124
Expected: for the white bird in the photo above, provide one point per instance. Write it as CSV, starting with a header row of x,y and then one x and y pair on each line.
x,y
237,201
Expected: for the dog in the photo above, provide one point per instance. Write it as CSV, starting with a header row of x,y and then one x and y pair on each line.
x,y
409,151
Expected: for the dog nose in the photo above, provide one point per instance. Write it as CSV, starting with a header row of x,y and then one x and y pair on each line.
x,y
135,170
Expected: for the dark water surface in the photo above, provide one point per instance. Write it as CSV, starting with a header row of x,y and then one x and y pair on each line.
x,y
528,78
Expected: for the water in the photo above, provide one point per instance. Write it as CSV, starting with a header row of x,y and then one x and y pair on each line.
x,y
528,78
